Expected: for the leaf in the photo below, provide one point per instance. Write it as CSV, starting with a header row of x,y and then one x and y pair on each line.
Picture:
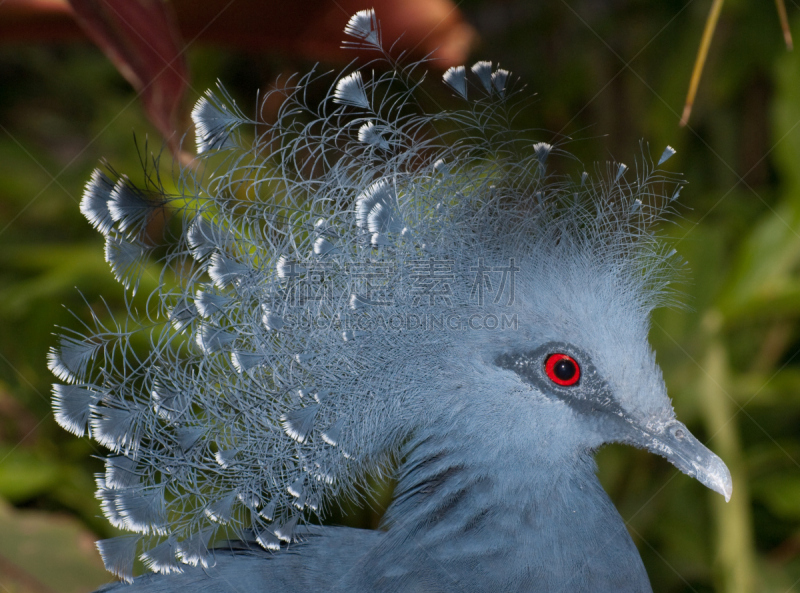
x,y
763,271
142,40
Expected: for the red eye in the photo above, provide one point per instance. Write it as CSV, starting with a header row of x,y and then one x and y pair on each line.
x,y
562,369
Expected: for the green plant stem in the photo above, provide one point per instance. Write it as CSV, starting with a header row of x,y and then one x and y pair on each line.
x,y
735,565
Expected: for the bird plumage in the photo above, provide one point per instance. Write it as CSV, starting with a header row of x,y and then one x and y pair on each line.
x,y
367,287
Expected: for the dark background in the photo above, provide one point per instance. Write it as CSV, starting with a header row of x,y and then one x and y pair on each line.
x,y
606,73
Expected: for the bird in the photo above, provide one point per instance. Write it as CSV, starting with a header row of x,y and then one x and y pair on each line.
x,y
374,285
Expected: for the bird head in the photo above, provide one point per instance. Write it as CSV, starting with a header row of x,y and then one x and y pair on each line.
x,y
585,356
578,355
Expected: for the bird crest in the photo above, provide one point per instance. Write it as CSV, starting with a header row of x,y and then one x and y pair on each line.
x,y
315,276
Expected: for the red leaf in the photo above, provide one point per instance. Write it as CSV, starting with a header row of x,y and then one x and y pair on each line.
x,y
145,38
141,38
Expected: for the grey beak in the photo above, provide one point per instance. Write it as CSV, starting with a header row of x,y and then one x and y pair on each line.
x,y
674,442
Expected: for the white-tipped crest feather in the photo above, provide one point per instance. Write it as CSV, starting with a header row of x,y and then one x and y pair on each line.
x,y
162,558
500,80
118,554
215,122
72,405
94,203
371,134
363,25
666,155
456,79
350,91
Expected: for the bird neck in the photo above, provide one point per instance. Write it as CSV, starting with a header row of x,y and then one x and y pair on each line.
x,y
480,504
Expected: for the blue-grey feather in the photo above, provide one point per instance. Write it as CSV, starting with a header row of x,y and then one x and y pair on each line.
x,y
169,403
187,437
161,558
126,258
108,503
118,554
182,314
70,360
143,509
203,238
225,271
483,70
214,123
194,549
299,423
116,428
456,79
209,304
363,25
72,407
94,203
121,472
129,207
213,339
350,91
246,361
668,152
285,530
221,511
500,80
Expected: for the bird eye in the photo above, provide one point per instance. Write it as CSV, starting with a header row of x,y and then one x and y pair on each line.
x,y
562,369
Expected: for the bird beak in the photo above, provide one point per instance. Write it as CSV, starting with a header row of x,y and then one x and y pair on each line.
x,y
674,442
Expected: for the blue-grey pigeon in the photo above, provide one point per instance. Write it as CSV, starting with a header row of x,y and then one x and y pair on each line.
x,y
368,287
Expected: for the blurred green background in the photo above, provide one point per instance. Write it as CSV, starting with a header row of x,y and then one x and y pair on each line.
x,y
607,73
